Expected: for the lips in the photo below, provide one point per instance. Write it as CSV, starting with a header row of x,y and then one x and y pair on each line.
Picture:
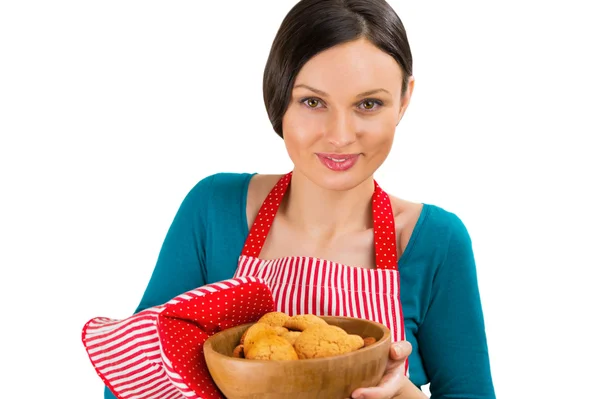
x,y
338,162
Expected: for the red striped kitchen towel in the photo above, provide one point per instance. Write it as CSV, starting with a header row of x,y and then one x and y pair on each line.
x,y
158,354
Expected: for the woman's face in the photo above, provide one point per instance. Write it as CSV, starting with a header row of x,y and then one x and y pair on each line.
x,y
345,106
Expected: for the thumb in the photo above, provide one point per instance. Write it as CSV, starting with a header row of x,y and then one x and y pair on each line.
x,y
400,350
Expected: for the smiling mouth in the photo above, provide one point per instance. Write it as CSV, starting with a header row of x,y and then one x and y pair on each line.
x,y
338,157
338,162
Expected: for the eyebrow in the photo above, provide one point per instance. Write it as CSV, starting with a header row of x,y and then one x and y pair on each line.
x,y
322,93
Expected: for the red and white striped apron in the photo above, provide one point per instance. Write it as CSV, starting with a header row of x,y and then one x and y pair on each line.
x,y
303,285
158,353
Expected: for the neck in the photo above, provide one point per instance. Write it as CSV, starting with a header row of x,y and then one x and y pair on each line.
x,y
326,214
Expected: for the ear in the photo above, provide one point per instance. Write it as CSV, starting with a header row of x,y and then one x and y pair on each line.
x,y
405,101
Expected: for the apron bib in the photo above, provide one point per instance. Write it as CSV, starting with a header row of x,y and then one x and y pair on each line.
x,y
316,286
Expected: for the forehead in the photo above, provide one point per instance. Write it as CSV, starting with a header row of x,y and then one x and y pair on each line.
x,y
351,68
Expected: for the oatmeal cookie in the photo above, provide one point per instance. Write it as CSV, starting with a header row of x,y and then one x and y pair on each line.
x,y
272,347
291,336
323,341
275,319
255,332
356,341
302,321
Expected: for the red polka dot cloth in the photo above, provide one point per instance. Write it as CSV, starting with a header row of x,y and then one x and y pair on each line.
x,y
158,352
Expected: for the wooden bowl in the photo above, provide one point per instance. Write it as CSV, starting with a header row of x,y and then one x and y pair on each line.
x,y
331,377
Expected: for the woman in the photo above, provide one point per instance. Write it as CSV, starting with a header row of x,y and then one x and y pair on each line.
x,y
337,82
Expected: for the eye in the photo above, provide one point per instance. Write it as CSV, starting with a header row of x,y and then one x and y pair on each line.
x,y
312,102
370,104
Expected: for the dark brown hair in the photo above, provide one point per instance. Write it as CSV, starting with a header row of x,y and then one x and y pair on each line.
x,y
313,26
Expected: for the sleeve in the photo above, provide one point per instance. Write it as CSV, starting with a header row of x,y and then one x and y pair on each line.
x,y
181,261
452,337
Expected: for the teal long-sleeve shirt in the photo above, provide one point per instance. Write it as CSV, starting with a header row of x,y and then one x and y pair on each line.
x,y
438,282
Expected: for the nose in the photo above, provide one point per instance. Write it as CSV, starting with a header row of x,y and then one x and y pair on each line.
x,y
341,129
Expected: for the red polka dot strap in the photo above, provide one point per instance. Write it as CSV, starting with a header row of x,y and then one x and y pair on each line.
x,y
384,228
262,224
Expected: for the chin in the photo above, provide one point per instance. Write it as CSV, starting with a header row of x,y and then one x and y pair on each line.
x,y
338,181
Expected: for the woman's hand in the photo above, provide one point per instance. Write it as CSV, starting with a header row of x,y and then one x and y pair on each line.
x,y
394,383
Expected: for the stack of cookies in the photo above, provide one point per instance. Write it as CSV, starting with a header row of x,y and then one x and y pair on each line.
x,y
277,336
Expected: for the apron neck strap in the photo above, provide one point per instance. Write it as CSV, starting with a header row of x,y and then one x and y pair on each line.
x,y
384,230
264,220
386,255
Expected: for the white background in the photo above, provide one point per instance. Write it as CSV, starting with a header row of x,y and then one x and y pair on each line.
x,y
110,111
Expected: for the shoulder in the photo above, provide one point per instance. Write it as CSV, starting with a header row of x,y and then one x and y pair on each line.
x,y
444,235
220,184
430,228
228,191
442,220
406,217
258,188
215,192
448,225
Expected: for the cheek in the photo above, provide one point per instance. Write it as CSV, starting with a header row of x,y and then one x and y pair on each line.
x,y
301,130
378,131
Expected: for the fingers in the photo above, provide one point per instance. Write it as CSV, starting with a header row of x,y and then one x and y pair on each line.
x,y
390,384
387,388
400,350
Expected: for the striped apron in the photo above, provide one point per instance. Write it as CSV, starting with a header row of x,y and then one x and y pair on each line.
x,y
303,285
158,352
